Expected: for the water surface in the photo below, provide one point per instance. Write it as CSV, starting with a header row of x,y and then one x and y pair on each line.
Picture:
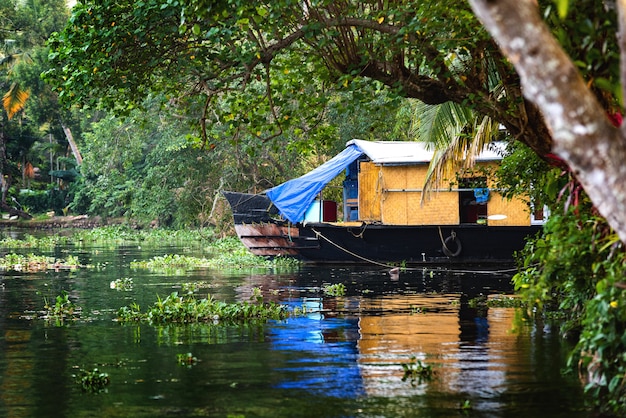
x,y
343,359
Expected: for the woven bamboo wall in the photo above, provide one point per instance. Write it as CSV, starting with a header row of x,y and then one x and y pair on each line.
x,y
516,211
369,192
377,203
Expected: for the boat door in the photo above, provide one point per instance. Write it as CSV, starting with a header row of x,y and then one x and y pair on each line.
x,y
473,196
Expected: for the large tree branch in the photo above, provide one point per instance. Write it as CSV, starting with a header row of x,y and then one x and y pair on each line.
x,y
582,133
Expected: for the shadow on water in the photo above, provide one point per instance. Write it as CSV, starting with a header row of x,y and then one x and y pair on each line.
x,y
342,359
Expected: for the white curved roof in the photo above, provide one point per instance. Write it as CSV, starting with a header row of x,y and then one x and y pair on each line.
x,y
404,152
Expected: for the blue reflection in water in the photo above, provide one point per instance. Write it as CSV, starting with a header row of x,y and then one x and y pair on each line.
x,y
321,355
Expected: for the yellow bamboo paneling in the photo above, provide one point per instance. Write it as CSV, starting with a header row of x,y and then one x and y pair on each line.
x,y
516,211
378,202
369,192
394,206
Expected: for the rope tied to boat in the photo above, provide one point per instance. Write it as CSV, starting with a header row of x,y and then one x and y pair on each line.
x,y
360,234
320,235
391,266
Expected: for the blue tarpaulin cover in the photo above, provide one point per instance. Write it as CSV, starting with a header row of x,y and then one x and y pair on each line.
x,y
294,197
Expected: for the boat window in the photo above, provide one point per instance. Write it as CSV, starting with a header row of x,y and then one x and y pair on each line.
x,y
473,198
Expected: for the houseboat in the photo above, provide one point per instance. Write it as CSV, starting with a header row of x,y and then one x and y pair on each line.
x,y
385,218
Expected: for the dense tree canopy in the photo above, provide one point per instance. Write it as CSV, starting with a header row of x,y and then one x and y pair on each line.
x,y
266,66
25,28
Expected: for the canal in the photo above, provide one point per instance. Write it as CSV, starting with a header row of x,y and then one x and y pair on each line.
x,y
346,357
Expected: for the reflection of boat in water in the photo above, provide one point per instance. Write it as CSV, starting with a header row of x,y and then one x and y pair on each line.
x,y
359,352
349,356
385,219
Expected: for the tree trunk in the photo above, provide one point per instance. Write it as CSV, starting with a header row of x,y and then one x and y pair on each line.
x,y
73,146
582,134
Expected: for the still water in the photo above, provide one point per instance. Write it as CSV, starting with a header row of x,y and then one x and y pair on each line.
x,y
343,359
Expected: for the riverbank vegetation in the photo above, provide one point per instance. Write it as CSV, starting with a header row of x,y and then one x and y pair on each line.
x,y
573,272
226,252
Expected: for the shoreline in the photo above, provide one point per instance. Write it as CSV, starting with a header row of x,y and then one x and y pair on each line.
x,y
60,222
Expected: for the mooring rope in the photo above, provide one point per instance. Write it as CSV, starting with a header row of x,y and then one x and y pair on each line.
x,y
390,266
319,234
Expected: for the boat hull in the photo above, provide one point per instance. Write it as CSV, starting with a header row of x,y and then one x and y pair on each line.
x,y
358,242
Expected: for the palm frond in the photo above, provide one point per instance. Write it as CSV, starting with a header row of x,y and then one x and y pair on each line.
x,y
457,136
14,100
440,124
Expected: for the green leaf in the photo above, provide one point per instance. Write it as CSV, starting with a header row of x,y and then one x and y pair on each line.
x,y
562,7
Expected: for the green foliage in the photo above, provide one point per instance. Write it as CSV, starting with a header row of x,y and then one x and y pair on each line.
x,y
186,359
125,234
170,262
272,70
34,263
523,173
417,372
31,133
62,309
231,254
499,301
125,284
92,381
188,309
601,349
30,241
587,32
561,268
337,289
40,201
30,262
575,272
156,170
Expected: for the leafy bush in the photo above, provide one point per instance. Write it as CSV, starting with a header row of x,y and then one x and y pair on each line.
x,y
40,201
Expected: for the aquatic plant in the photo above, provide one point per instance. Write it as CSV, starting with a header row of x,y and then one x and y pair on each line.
x,y
498,301
30,241
129,234
187,309
34,263
130,313
170,261
337,289
186,359
416,371
125,283
71,262
225,253
63,308
466,406
28,263
92,381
